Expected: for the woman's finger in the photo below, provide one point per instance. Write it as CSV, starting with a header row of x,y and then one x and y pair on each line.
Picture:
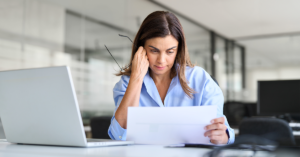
x,y
216,139
214,126
218,120
214,132
144,54
146,62
139,51
144,51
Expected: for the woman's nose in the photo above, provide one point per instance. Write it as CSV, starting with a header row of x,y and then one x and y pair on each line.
x,y
161,58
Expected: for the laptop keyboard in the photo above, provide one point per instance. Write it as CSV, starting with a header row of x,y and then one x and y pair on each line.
x,y
97,140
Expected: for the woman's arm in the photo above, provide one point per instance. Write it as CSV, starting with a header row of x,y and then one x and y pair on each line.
x,y
219,131
130,99
140,65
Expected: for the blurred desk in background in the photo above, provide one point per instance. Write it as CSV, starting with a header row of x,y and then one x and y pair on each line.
x,y
295,133
88,131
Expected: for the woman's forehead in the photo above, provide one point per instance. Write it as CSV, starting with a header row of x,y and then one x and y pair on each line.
x,y
162,42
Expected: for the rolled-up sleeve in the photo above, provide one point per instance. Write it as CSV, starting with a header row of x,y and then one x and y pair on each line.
x,y
230,133
213,96
115,131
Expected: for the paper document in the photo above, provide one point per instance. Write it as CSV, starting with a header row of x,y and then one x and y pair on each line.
x,y
169,125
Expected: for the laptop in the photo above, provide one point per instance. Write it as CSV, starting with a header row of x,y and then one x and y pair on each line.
x,y
39,106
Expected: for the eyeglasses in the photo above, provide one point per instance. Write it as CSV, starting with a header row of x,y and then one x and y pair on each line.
x,y
114,57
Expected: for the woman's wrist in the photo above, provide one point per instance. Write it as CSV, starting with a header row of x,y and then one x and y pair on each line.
x,y
136,78
134,88
226,138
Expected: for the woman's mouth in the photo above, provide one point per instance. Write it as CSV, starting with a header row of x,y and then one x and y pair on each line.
x,y
159,67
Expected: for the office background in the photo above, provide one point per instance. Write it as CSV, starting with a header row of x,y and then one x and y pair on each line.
x,y
237,42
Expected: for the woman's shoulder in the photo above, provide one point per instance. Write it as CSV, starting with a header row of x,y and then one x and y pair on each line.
x,y
196,71
125,78
200,79
123,82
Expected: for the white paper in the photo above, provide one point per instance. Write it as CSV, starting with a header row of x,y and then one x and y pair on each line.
x,y
169,125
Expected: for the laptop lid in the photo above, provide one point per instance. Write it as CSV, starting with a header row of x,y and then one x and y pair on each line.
x,y
39,106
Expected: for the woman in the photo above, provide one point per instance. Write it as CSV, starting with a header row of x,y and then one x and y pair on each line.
x,y
161,75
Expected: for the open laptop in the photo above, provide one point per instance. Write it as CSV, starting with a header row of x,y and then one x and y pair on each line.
x,y
39,106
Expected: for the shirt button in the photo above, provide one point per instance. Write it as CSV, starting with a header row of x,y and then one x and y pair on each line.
x,y
120,137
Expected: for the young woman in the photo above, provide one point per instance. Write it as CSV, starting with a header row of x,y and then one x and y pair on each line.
x,y
161,75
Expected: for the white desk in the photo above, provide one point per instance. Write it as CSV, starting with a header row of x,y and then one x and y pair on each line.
x,y
15,150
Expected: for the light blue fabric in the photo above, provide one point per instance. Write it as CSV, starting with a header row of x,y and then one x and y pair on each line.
x,y
208,93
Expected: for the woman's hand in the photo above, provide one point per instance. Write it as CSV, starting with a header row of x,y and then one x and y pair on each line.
x,y
140,64
131,98
217,131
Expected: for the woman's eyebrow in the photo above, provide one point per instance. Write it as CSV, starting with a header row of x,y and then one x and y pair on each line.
x,y
167,49
172,48
154,47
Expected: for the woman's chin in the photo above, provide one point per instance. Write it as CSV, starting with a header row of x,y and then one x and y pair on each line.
x,y
159,72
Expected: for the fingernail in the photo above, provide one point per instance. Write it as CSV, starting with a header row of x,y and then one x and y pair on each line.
x,y
212,121
205,128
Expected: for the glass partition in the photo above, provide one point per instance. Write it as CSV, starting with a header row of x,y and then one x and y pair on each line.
x,y
237,73
53,33
220,64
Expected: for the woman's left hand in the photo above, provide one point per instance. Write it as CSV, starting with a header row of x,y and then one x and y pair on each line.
x,y
216,131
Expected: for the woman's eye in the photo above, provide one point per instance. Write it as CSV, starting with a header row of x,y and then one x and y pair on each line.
x,y
171,51
153,50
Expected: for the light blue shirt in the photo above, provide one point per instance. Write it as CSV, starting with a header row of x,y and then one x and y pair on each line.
x,y
207,93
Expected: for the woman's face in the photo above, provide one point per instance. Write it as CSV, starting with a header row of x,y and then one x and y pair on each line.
x,y
161,53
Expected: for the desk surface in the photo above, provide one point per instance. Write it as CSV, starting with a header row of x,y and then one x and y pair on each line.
x,y
15,150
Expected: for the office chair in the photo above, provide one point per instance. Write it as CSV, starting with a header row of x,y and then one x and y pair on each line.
x,y
99,127
270,128
236,111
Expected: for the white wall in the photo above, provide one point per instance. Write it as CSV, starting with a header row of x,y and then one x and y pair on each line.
x,y
30,30
33,22
32,34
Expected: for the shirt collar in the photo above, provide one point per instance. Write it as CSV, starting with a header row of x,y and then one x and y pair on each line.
x,y
152,90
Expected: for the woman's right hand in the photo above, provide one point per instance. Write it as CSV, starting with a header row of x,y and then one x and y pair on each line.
x,y
131,98
140,64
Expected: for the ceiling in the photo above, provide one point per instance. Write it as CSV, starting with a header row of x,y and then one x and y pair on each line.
x,y
253,23
273,52
242,20
239,18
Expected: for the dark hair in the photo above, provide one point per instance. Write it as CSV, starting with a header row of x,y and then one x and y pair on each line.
x,y
161,24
